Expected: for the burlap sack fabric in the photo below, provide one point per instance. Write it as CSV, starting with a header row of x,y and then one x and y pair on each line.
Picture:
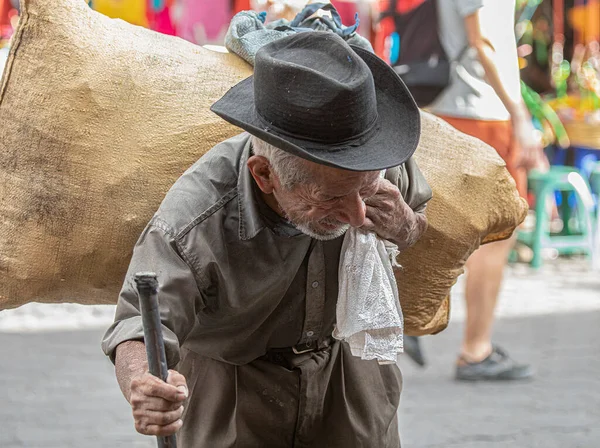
x,y
98,118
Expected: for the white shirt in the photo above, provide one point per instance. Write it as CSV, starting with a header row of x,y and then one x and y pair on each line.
x,y
469,95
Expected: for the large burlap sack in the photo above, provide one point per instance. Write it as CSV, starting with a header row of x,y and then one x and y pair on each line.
x,y
475,201
98,118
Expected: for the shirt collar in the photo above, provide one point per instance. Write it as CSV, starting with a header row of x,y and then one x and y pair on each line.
x,y
250,220
252,213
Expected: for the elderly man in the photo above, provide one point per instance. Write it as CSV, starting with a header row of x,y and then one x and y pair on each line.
x,y
247,245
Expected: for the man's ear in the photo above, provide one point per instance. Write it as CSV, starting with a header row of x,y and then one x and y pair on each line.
x,y
261,171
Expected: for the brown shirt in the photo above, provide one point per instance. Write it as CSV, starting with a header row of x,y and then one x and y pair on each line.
x,y
236,281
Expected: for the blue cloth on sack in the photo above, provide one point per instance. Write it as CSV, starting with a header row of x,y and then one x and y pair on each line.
x,y
248,33
304,21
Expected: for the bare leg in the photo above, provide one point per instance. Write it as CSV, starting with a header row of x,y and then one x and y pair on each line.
x,y
485,269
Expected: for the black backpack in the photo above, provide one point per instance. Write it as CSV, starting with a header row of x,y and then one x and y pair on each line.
x,y
422,62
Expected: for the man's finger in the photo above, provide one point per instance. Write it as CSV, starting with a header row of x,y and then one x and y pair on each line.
x,y
154,387
158,418
140,402
178,380
373,213
385,200
157,430
375,204
368,225
386,187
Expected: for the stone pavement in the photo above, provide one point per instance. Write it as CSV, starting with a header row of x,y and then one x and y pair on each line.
x,y
58,390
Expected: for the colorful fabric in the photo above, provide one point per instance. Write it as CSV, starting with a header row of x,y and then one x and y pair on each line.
x,y
159,17
4,8
204,21
132,11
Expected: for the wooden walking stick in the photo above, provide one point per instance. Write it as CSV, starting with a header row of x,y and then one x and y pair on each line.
x,y
147,286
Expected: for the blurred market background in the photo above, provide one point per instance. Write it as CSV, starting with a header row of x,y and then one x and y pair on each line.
x,y
58,390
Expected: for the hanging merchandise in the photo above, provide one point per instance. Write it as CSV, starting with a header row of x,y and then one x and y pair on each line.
x,y
525,46
350,9
577,82
558,66
5,6
534,37
569,114
157,5
159,16
530,38
204,21
8,19
347,9
132,11
541,39
240,5
553,130
585,19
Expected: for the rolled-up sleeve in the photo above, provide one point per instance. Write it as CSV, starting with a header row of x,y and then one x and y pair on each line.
x,y
179,297
467,7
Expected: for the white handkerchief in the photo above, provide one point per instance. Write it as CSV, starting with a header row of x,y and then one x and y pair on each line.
x,y
369,316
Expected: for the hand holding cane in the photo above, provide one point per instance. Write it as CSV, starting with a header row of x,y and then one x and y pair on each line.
x,y
147,286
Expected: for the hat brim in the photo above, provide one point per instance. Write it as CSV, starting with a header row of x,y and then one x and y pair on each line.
x,y
391,143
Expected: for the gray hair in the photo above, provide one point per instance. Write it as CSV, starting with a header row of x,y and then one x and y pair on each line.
x,y
290,169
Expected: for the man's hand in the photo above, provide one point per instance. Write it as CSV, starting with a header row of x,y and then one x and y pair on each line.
x,y
391,218
158,405
529,145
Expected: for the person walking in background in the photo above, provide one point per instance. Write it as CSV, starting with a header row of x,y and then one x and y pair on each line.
x,y
483,99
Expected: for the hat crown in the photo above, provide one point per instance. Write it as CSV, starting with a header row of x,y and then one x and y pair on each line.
x,y
314,86
319,98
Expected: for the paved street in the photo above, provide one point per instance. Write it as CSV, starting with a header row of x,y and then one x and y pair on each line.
x,y
559,409
58,390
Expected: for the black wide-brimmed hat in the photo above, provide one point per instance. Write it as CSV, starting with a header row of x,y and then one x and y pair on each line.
x,y
316,97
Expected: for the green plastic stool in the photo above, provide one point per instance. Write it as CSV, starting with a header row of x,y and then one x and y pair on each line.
x,y
567,180
595,184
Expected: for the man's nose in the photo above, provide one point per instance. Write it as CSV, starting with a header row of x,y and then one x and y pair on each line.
x,y
353,211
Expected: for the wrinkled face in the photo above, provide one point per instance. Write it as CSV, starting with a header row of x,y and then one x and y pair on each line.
x,y
331,203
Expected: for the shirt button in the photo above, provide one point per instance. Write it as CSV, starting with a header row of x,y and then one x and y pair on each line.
x,y
310,334
315,284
